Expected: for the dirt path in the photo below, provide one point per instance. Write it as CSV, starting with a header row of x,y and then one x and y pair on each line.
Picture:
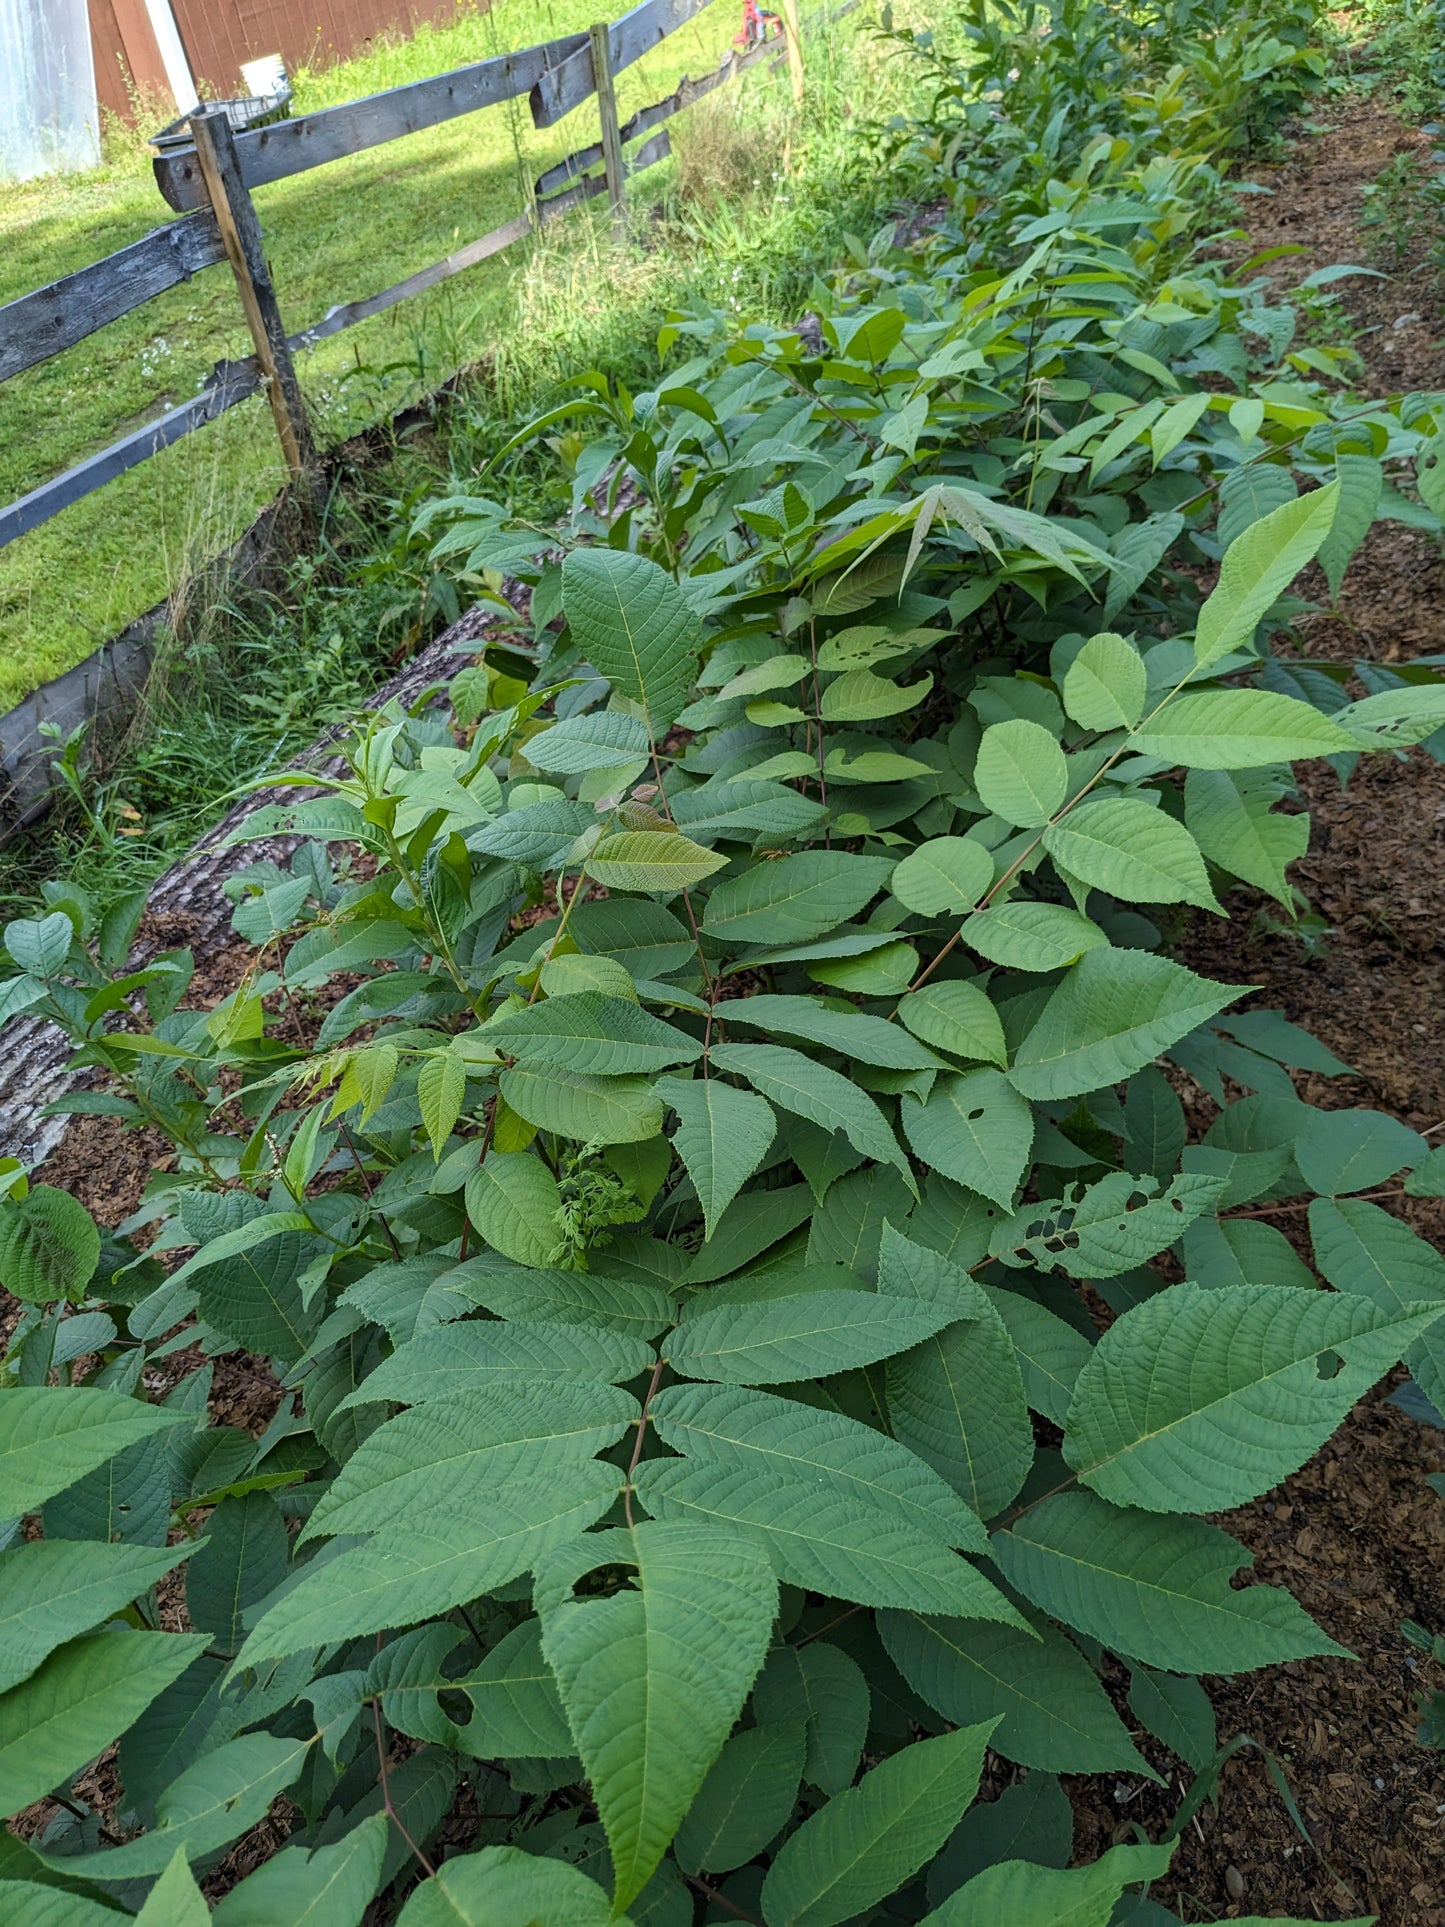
x,y
1358,1537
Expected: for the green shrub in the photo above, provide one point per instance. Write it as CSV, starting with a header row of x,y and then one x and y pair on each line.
x,y
712,1181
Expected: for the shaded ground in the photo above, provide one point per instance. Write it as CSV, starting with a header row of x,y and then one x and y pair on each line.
x,y
1357,1536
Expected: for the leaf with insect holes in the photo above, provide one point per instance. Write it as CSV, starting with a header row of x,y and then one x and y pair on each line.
x,y
1156,1590
974,1128
631,621
1195,1401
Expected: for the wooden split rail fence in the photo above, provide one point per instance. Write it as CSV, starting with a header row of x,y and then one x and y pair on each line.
x,y
210,183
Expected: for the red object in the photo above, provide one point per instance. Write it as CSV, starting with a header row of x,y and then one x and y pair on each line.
x,y
758,25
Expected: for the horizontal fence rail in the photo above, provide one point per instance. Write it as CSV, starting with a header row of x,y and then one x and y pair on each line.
x,y
311,140
559,75
40,325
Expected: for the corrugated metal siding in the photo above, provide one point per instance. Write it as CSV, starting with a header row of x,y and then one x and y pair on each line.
x,y
48,120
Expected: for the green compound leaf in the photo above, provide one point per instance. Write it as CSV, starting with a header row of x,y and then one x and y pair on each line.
x,y
513,1203
632,1305
1354,1150
956,1017
1032,936
454,1454
824,1539
211,1804
1177,1711
1239,729
462,1357
651,861
328,1888
794,899
1020,774
1051,1709
746,1799
1231,817
402,1576
957,1400
588,1032
943,877
632,622
1134,851
722,1136
1106,683
516,1710
864,1039
49,1246
777,1341
54,1589
783,1444
1156,1590
589,1110
653,1676
811,1090
1362,1249
868,1840
974,1128
505,1887
1198,1400
1113,1014
597,739
81,1698
824,1690
50,1436
1050,1897
1259,566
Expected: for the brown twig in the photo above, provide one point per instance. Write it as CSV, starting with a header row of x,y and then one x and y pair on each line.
x,y
386,1800
641,1435
366,1182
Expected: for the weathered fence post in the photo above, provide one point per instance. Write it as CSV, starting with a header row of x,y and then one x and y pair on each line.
x,y
611,131
241,232
792,28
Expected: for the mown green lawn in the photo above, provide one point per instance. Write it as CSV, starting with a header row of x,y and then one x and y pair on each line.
x,y
333,235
